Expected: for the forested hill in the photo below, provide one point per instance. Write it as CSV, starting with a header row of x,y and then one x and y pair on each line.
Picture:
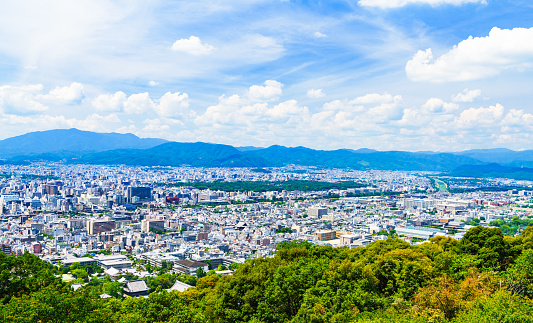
x,y
76,146
214,155
67,142
485,277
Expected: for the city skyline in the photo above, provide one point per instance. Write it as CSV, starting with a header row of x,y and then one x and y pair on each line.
x,y
444,75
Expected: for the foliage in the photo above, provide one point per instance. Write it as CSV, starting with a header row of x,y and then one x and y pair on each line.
x,y
485,277
23,275
510,228
284,230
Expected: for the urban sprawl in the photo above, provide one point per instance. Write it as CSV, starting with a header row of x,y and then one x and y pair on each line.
x,y
130,221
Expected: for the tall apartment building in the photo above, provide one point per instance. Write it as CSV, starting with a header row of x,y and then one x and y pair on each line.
x,y
156,225
51,189
317,212
143,194
99,226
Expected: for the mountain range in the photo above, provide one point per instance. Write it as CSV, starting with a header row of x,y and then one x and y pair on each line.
x,y
76,146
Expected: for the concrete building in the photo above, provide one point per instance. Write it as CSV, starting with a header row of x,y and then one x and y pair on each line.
x,y
83,261
325,235
154,225
189,267
317,212
143,194
95,227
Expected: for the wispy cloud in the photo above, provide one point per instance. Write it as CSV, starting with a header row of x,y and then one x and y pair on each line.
x,y
387,4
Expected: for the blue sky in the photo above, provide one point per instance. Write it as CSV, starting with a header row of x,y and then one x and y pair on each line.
x,y
442,75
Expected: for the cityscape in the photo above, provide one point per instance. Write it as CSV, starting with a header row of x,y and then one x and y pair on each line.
x,y
254,161
121,216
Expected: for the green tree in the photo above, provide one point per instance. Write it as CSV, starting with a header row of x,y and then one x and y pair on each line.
x,y
222,267
23,275
234,265
200,273
80,274
488,245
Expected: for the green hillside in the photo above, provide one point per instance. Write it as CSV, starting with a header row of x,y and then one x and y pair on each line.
x,y
485,277
177,154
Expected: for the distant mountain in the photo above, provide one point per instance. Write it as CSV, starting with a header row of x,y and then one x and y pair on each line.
x,y
248,148
367,159
213,155
197,154
66,141
364,151
112,148
498,155
493,170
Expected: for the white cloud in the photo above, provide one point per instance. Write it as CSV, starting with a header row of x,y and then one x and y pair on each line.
x,y
476,57
65,94
387,4
373,98
153,83
155,125
21,100
270,92
173,104
318,34
480,116
287,110
315,93
466,96
110,102
169,105
438,106
138,103
30,99
193,46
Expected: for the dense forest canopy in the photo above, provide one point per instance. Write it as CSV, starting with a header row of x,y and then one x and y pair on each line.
x,y
485,277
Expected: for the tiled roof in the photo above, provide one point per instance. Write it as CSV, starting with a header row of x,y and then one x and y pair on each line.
x,y
179,286
136,286
190,263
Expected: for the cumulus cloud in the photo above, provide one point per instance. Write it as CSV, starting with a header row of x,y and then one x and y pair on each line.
x,y
192,46
66,94
138,103
21,100
30,99
233,116
315,93
387,4
169,105
271,91
173,105
318,34
476,57
153,83
110,102
155,125
466,96
480,116
438,106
